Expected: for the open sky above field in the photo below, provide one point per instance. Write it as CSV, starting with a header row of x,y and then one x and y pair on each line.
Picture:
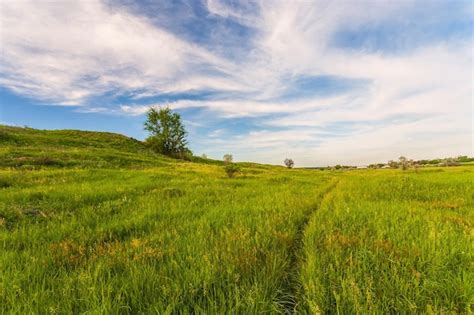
x,y
323,82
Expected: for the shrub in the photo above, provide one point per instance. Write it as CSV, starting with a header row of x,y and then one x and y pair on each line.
x,y
4,183
231,170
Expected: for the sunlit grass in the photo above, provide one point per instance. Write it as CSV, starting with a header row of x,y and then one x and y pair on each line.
x,y
389,241
140,232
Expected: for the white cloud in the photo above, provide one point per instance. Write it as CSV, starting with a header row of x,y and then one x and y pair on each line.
x,y
70,50
431,86
418,102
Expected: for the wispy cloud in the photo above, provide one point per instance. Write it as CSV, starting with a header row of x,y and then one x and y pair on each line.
x,y
314,78
68,51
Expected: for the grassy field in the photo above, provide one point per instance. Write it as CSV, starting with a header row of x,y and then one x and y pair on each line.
x,y
94,222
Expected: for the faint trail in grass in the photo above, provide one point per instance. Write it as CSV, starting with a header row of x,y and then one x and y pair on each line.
x,y
288,299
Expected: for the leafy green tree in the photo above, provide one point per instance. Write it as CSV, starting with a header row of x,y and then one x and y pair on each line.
x,y
167,133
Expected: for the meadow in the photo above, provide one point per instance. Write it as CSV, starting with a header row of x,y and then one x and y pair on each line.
x,y
96,223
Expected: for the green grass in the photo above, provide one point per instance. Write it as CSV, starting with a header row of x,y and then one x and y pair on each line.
x,y
391,242
25,148
110,227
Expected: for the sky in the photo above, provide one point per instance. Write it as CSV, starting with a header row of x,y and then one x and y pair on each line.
x,y
322,82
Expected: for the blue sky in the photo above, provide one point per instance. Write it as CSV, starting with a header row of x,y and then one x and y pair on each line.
x,y
322,82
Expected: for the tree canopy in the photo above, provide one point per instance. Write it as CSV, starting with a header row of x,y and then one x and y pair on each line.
x,y
167,133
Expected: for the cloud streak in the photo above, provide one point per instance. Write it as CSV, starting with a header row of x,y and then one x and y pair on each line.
x,y
289,79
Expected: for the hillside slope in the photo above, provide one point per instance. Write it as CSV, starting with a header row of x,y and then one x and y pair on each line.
x,y
32,148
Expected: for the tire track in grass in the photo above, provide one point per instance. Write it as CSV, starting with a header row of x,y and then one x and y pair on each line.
x,y
288,299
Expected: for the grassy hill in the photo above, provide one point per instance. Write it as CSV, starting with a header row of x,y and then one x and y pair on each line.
x,y
94,222
30,148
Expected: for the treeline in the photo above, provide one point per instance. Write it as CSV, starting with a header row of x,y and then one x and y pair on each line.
x,y
404,163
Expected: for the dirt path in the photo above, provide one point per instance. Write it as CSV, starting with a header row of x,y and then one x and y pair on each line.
x,y
292,285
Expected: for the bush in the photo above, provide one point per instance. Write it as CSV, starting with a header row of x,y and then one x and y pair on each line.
x,y
4,183
231,170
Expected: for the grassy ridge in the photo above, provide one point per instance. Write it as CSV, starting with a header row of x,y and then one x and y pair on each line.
x,y
114,228
31,149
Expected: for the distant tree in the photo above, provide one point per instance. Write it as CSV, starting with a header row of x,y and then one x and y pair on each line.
x,y
393,164
423,162
416,165
450,162
464,159
228,158
403,163
435,161
289,163
204,156
167,133
338,167
231,169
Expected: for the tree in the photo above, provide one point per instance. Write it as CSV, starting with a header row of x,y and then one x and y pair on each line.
x,y
204,156
167,133
404,163
228,158
289,163
393,164
450,162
